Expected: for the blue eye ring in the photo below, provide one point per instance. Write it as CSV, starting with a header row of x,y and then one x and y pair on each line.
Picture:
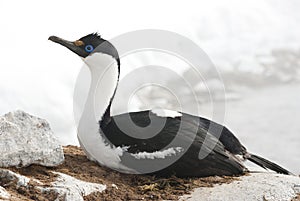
x,y
89,48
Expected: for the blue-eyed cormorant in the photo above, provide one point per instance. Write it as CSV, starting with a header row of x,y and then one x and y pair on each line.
x,y
105,142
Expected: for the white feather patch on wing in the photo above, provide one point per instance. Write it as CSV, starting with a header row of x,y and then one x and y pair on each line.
x,y
158,154
166,113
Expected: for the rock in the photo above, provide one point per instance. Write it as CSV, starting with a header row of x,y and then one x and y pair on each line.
x,y
255,187
7,176
25,140
72,189
100,183
65,188
4,195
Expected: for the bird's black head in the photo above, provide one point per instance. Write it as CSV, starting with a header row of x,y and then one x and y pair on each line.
x,y
88,45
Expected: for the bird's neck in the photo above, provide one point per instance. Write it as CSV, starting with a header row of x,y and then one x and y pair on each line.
x,y
104,81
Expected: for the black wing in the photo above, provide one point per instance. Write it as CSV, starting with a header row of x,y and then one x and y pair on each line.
x,y
142,119
186,131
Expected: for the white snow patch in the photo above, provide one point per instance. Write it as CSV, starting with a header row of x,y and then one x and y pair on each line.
x,y
4,195
114,186
166,113
158,154
255,187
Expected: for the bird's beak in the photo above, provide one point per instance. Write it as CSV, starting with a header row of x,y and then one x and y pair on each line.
x,y
68,44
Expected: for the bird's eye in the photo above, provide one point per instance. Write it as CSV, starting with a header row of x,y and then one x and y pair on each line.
x,y
89,48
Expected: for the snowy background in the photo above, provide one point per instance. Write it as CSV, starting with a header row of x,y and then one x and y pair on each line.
x,y
255,45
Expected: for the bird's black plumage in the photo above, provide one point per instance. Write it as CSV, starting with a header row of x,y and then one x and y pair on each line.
x,y
219,160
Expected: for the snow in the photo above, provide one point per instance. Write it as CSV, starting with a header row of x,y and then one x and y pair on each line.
x,y
158,154
255,187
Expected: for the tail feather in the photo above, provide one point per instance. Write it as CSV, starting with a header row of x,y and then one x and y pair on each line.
x,y
264,163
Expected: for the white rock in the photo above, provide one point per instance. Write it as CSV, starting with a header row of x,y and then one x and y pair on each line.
x,y
114,186
12,176
25,140
4,195
254,187
67,187
72,189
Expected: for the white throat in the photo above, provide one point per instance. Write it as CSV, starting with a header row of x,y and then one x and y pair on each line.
x,y
104,80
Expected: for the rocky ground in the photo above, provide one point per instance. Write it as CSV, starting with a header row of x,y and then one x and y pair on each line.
x,y
118,186
67,182
36,167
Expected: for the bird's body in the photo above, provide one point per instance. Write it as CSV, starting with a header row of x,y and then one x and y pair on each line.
x,y
219,161
145,142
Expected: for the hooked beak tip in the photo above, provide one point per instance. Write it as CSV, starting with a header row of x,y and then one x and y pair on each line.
x,y
54,38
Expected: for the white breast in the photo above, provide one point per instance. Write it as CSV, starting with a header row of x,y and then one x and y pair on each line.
x,y
104,80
